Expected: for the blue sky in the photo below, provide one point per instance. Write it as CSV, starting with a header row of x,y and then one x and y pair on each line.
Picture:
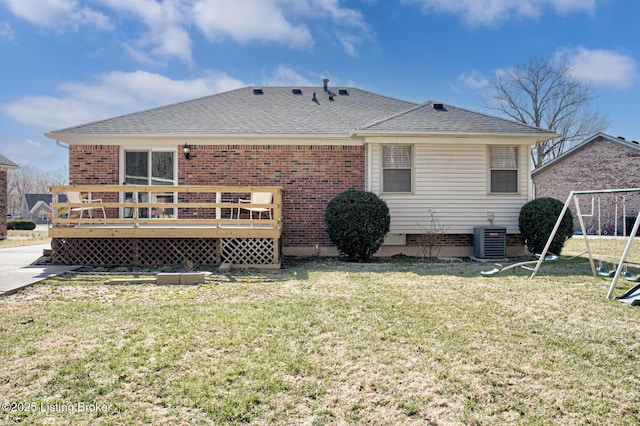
x,y
67,62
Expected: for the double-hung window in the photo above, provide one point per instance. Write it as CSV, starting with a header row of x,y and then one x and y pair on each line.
x,y
397,168
503,169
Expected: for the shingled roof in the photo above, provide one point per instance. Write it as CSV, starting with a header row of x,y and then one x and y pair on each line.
x,y
294,111
253,110
5,163
432,117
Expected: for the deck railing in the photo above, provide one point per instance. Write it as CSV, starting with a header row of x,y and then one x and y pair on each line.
x,y
166,225
149,206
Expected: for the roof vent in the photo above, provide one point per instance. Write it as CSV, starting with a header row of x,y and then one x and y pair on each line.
x,y
636,142
325,84
258,92
331,98
315,99
343,92
296,91
438,106
621,138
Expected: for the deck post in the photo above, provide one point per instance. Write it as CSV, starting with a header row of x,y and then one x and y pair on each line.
x,y
218,201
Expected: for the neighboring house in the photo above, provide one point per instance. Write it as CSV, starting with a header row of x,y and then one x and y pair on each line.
x,y
5,166
37,207
432,159
600,162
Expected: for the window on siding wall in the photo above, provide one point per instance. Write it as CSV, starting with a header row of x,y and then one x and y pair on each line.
x,y
504,169
397,168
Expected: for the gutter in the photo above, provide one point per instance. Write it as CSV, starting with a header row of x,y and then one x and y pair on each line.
x,y
539,137
60,144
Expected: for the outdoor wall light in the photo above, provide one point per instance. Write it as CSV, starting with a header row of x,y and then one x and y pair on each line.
x,y
186,150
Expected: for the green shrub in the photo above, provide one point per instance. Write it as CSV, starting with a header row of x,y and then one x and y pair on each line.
x,y
357,222
537,219
21,225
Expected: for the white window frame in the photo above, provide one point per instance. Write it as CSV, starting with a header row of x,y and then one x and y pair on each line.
x,y
491,168
149,150
411,168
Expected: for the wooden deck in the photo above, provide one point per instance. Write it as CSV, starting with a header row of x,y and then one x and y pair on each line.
x,y
185,223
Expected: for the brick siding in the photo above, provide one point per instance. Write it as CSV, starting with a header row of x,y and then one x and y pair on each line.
x,y
310,175
601,164
462,240
96,165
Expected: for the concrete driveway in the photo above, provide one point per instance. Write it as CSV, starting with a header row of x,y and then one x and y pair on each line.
x,y
16,271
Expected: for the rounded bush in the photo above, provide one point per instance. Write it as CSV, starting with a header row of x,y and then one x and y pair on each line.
x,y
537,219
21,225
357,222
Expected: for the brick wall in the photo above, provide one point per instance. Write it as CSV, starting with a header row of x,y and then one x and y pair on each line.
x,y
96,165
310,175
462,240
601,164
3,204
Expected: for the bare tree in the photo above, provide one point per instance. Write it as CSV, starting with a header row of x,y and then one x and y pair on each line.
x,y
542,94
431,239
29,180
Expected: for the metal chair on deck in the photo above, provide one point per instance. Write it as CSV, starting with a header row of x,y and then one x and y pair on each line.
x,y
74,197
258,198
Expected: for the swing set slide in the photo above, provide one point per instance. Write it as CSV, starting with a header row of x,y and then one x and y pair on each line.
x,y
632,296
524,265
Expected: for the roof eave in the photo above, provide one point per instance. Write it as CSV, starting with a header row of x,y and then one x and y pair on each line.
x,y
115,139
581,146
538,137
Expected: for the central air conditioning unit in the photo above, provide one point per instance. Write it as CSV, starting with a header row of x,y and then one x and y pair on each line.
x,y
490,242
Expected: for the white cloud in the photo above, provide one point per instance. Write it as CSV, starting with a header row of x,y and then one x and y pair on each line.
x,y
473,80
58,13
280,21
285,76
112,94
349,43
248,20
494,12
6,31
599,66
166,35
167,24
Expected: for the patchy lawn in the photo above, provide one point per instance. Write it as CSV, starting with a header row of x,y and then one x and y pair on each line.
x,y
25,238
324,342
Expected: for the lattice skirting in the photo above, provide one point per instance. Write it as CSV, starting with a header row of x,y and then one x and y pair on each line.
x,y
249,252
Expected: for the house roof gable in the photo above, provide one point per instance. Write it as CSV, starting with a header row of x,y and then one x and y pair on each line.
x,y
437,117
5,163
627,144
32,199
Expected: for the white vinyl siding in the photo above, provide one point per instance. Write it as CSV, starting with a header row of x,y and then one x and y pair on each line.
x,y
397,163
451,180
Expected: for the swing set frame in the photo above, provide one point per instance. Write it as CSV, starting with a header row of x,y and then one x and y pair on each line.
x,y
573,197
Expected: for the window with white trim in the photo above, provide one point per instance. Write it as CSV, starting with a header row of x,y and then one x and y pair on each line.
x,y
503,169
150,167
397,168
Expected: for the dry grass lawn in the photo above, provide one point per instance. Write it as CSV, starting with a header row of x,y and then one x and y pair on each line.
x,y
25,238
325,342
